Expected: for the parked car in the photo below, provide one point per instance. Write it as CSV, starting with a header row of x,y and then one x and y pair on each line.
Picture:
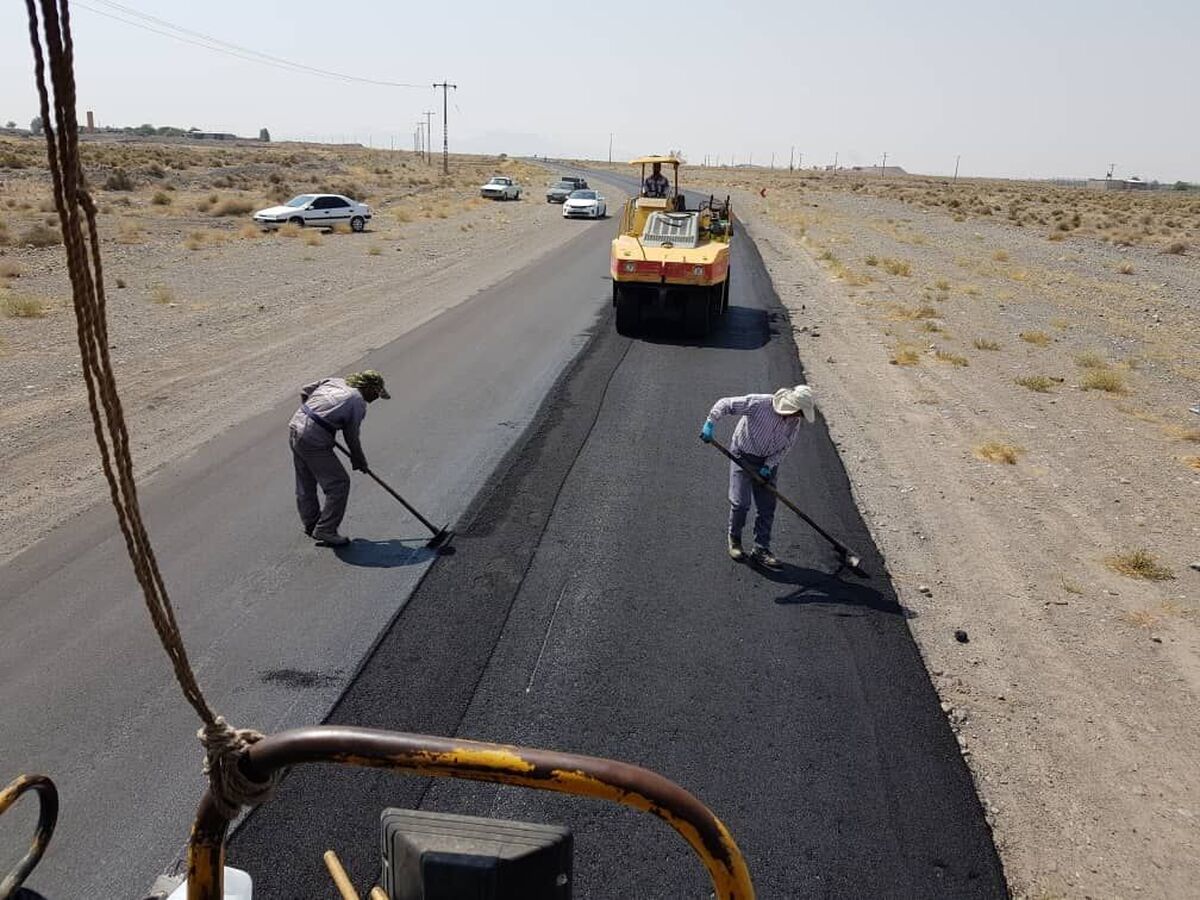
x,y
560,190
501,188
580,183
320,210
585,205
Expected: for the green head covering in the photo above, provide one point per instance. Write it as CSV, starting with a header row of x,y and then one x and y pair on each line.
x,y
368,378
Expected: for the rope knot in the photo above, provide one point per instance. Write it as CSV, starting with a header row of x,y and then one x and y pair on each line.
x,y
224,748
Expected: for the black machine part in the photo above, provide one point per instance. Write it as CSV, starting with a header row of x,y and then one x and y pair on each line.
x,y
441,856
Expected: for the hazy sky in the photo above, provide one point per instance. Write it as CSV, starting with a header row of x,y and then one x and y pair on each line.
x,y
1056,87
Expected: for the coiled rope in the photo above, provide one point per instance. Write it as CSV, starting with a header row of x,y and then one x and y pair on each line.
x,y
223,744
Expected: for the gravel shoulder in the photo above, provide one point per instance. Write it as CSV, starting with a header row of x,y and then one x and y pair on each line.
x,y
210,325
1075,693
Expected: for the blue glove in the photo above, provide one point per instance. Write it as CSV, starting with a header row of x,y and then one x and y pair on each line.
x,y
706,433
765,473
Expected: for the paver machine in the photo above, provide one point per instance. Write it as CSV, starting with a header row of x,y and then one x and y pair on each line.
x,y
669,262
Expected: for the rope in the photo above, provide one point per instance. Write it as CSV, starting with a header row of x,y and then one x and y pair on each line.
x,y
223,745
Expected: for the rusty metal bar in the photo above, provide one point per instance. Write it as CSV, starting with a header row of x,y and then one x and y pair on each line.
x,y
547,770
47,818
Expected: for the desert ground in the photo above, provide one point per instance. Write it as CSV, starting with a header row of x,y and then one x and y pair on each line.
x,y
1007,368
211,317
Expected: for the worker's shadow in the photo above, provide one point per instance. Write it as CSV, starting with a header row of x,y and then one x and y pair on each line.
x,y
816,587
384,554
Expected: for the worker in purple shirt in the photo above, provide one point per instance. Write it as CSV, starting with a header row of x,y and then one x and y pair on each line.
x,y
765,433
327,407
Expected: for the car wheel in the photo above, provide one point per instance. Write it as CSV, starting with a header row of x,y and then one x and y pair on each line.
x,y
358,223
628,313
696,316
296,220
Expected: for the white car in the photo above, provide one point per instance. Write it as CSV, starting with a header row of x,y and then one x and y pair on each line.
x,y
585,205
320,210
501,188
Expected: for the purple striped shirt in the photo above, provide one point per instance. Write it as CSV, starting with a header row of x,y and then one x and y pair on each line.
x,y
761,431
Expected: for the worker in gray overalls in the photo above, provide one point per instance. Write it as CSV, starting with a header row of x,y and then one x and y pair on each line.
x,y
327,407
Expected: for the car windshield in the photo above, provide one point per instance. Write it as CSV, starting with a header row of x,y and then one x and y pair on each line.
x,y
583,195
302,200
563,186
499,181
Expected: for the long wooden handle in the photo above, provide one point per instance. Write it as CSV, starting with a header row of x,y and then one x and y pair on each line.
x,y
340,879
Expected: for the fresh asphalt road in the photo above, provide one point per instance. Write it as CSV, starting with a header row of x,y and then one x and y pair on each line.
x,y
275,626
591,608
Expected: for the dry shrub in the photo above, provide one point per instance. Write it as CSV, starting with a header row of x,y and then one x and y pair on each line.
x,y
341,228
289,229
1038,383
897,266
249,232
233,207
313,238
40,235
374,250
402,216
985,344
1055,236
129,232
1125,268
924,311
162,198
1038,338
872,260
942,284
1103,380
161,294
1139,564
118,180
1000,256
905,356
1178,248
9,269
1184,434
18,307
998,452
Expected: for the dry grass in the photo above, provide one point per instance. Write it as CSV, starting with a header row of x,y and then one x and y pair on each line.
x,y
289,230
374,250
1038,383
233,207
1190,433
313,238
9,269
1192,462
897,266
250,232
1091,359
1125,268
1000,256
162,198
161,294
1106,380
1139,564
341,228
985,344
129,232
402,216
914,313
998,452
19,307
202,240
953,359
1037,338
905,356
41,235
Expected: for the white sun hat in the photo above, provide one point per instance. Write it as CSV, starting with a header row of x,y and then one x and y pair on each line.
x,y
798,399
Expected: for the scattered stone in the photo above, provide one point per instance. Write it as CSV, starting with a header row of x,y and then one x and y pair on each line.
x,y
829,359
925,589
1156,640
946,707
961,636
1123,480
1195,566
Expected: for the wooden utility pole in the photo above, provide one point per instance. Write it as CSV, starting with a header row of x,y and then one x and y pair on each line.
x,y
792,160
428,114
610,134
883,165
445,86
956,159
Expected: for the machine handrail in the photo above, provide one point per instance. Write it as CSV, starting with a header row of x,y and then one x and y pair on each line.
x,y
547,770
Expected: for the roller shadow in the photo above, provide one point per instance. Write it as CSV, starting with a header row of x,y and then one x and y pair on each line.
x,y
741,328
390,554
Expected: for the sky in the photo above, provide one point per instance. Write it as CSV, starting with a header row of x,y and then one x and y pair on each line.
x,y
1057,88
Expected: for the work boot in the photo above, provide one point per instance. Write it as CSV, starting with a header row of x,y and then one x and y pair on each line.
x,y
331,538
308,529
736,553
762,556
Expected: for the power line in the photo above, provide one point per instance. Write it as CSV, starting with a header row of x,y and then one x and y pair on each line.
x,y
188,36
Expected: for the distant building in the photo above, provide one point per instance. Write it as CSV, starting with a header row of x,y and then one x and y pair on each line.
x,y
212,136
1132,183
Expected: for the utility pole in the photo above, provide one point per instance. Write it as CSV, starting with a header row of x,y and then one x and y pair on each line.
x,y
1111,168
956,159
428,126
610,134
772,160
792,160
445,86
421,138
884,165
835,156
801,163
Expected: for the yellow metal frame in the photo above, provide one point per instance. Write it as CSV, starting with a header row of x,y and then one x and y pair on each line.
x,y
564,773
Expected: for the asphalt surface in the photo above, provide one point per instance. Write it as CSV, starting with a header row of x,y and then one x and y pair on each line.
x,y
275,626
591,608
